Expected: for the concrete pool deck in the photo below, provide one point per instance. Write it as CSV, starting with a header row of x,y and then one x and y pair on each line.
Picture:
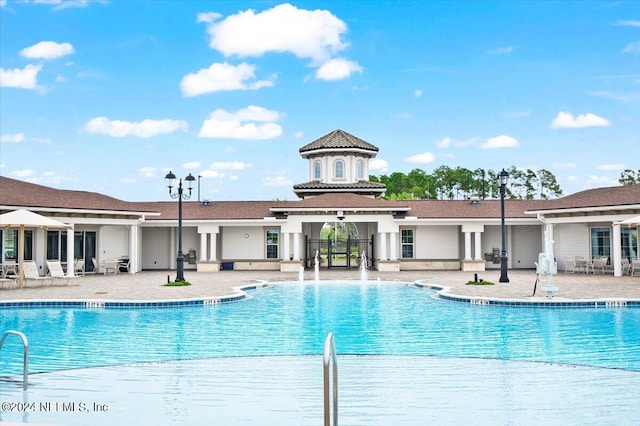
x,y
148,286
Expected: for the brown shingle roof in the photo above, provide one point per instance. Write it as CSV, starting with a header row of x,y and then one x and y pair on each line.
x,y
484,209
341,201
18,193
219,210
338,139
598,197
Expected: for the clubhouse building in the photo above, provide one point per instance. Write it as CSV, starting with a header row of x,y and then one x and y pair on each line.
x,y
339,221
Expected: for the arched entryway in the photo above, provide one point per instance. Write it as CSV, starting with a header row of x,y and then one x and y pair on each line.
x,y
339,246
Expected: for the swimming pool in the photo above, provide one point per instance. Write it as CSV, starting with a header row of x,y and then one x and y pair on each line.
x,y
387,320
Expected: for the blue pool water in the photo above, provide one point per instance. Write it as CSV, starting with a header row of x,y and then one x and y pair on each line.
x,y
294,319
403,357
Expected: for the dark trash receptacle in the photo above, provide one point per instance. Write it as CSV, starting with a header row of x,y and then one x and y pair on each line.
x,y
227,266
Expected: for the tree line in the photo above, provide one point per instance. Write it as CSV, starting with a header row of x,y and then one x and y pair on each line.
x,y
459,183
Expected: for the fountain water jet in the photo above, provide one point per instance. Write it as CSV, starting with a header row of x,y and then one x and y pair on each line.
x,y
317,266
363,267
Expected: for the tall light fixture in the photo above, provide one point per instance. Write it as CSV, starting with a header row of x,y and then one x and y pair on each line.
x,y
503,179
171,178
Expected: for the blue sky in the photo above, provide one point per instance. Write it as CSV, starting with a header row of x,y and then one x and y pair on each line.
x,y
107,96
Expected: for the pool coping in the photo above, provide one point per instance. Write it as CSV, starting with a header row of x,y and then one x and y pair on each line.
x,y
442,292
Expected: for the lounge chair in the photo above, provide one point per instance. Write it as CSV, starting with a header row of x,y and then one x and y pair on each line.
x,y
635,267
626,266
31,274
8,283
57,273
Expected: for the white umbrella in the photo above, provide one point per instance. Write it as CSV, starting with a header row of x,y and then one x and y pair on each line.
x,y
632,221
26,219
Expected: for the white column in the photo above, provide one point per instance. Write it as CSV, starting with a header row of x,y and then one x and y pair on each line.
x,y
393,249
477,241
286,237
467,246
296,246
616,259
212,247
70,254
203,246
133,249
383,246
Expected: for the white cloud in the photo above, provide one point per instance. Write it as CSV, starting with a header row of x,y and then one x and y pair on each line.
x,y
3,3
25,78
192,165
565,120
337,69
505,50
23,173
628,23
142,129
616,96
64,4
47,50
633,47
241,124
611,167
404,116
208,17
448,142
424,158
311,34
277,181
564,166
147,172
298,135
15,138
378,164
502,141
222,77
229,165
417,93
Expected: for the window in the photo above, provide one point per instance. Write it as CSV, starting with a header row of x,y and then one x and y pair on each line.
x,y
339,169
600,242
317,170
629,242
360,169
57,245
84,247
11,245
272,244
407,243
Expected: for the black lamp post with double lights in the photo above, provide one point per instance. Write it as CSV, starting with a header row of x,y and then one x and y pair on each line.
x,y
171,178
503,178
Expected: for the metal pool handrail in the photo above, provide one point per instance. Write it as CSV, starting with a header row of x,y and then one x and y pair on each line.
x,y
25,353
328,358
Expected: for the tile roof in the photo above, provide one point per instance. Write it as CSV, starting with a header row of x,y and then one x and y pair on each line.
x,y
338,139
18,193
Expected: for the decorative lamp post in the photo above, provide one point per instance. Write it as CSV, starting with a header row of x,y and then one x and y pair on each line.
x,y
170,177
503,178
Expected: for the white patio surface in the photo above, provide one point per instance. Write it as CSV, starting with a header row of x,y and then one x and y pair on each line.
x,y
147,286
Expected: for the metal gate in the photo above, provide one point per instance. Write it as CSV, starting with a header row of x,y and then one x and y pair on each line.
x,y
339,253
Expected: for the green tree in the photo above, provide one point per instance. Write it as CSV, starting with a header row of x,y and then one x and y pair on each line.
x,y
629,177
549,186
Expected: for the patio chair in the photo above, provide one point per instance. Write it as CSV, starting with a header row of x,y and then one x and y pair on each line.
x,y
626,266
94,263
57,273
110,266
8,283
78,267
31,274
635,267
124,264
569,265
599,264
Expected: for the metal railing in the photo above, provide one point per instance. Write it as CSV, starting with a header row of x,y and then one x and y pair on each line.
x,y
25,352
330,358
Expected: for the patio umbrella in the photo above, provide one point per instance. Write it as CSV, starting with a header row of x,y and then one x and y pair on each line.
x,y
632,221
22,219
